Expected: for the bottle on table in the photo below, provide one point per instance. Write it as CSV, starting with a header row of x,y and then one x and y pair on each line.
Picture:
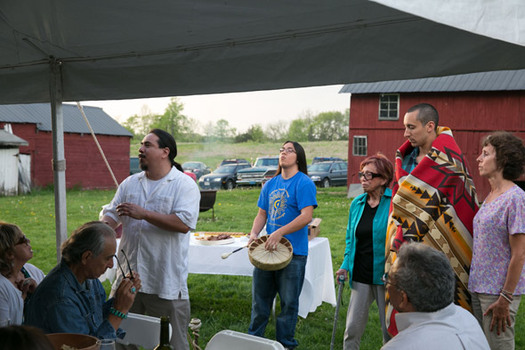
x,y
164,343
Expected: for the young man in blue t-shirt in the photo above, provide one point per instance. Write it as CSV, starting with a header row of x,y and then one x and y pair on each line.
x,y
286,205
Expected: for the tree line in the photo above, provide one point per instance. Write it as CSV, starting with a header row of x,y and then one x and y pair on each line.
x,y
325,126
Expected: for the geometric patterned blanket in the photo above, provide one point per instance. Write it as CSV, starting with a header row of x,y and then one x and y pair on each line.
x,y
434,204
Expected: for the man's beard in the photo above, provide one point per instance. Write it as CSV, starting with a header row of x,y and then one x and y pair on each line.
x,y
142,165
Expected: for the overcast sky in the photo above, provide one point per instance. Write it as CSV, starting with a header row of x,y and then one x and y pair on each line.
x,y
242,109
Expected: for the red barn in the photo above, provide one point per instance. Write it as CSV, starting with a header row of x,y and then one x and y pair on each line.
x,y
472,105
85,166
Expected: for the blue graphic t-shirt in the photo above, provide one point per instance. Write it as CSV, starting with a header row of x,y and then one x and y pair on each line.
x,y
283,200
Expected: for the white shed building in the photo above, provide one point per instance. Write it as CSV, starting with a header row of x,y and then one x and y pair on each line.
x,y
12,169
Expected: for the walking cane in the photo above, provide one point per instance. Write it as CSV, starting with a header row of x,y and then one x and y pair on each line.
x,y
341,282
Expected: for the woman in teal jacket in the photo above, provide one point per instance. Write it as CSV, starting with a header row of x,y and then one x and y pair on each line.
x,y
364,261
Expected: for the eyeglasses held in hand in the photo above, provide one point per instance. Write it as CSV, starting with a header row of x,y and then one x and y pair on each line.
x,y
368,175
286,150
127,262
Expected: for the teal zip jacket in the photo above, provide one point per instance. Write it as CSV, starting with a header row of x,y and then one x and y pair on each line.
x,y
379,235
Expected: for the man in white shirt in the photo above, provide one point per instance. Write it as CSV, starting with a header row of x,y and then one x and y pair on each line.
x,y
157,208
421,285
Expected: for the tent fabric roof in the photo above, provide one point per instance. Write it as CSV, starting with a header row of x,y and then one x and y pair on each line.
x,y
9,140
54,51
40,114
486,81
120,49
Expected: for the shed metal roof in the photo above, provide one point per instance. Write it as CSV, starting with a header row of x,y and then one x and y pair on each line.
x,y
486,81
8,140
40,114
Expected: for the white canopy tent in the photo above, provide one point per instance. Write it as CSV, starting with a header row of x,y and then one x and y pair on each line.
x,y
59,50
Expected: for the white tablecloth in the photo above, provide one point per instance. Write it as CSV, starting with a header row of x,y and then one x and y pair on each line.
x,y
318,283
206,259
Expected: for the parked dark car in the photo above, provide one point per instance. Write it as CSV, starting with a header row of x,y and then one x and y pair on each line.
x,y
198,168
134,166
326,174
234,161
223,177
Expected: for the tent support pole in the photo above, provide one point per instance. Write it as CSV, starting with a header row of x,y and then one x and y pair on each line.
x,y
59,162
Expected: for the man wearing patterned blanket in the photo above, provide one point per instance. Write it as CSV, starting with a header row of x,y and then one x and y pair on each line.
x,y
434,199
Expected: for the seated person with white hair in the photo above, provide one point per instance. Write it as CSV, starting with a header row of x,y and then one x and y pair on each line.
x,y
71,299
421,285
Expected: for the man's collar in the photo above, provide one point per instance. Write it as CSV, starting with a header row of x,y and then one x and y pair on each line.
x,y
289,173
168,176
406,319
72,279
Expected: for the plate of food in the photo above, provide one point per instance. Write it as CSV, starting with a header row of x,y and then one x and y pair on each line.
x,y
215,238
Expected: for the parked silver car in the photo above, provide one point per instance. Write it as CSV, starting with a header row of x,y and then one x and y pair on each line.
x,y
254,176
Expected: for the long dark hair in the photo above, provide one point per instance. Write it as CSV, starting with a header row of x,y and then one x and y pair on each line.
x,y
301,158
90,236
166,140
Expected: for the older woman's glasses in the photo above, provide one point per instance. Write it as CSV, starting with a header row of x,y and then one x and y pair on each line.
x,y
368,175
387,280
22,240
286,150
127,262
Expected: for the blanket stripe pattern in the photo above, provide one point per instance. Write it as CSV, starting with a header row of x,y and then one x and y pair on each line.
x,y
434,204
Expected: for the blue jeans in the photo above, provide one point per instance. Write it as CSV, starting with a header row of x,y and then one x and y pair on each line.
x,y
288,282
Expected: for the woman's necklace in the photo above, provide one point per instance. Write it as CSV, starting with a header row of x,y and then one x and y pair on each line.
x,y
373,201
496,192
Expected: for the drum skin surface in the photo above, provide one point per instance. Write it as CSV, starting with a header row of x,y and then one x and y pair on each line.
x,y
270,260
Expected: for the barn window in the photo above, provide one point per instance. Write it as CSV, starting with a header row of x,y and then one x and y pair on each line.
x,y
389,107
360,146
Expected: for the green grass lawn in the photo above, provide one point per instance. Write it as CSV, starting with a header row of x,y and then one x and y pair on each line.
x,y
221,302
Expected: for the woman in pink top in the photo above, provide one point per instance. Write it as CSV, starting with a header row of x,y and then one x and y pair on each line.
x,y
497,279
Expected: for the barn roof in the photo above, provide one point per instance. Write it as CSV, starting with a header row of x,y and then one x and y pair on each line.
x,y
486,81
40,114
8,139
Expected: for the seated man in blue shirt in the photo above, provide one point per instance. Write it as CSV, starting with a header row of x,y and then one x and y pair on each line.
x,y
71,299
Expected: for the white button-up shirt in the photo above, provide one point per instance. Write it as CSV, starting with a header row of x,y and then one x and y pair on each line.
x,y
451,328
159,256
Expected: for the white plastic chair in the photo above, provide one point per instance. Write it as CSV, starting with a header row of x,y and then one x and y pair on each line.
x,y
141,330
232,340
